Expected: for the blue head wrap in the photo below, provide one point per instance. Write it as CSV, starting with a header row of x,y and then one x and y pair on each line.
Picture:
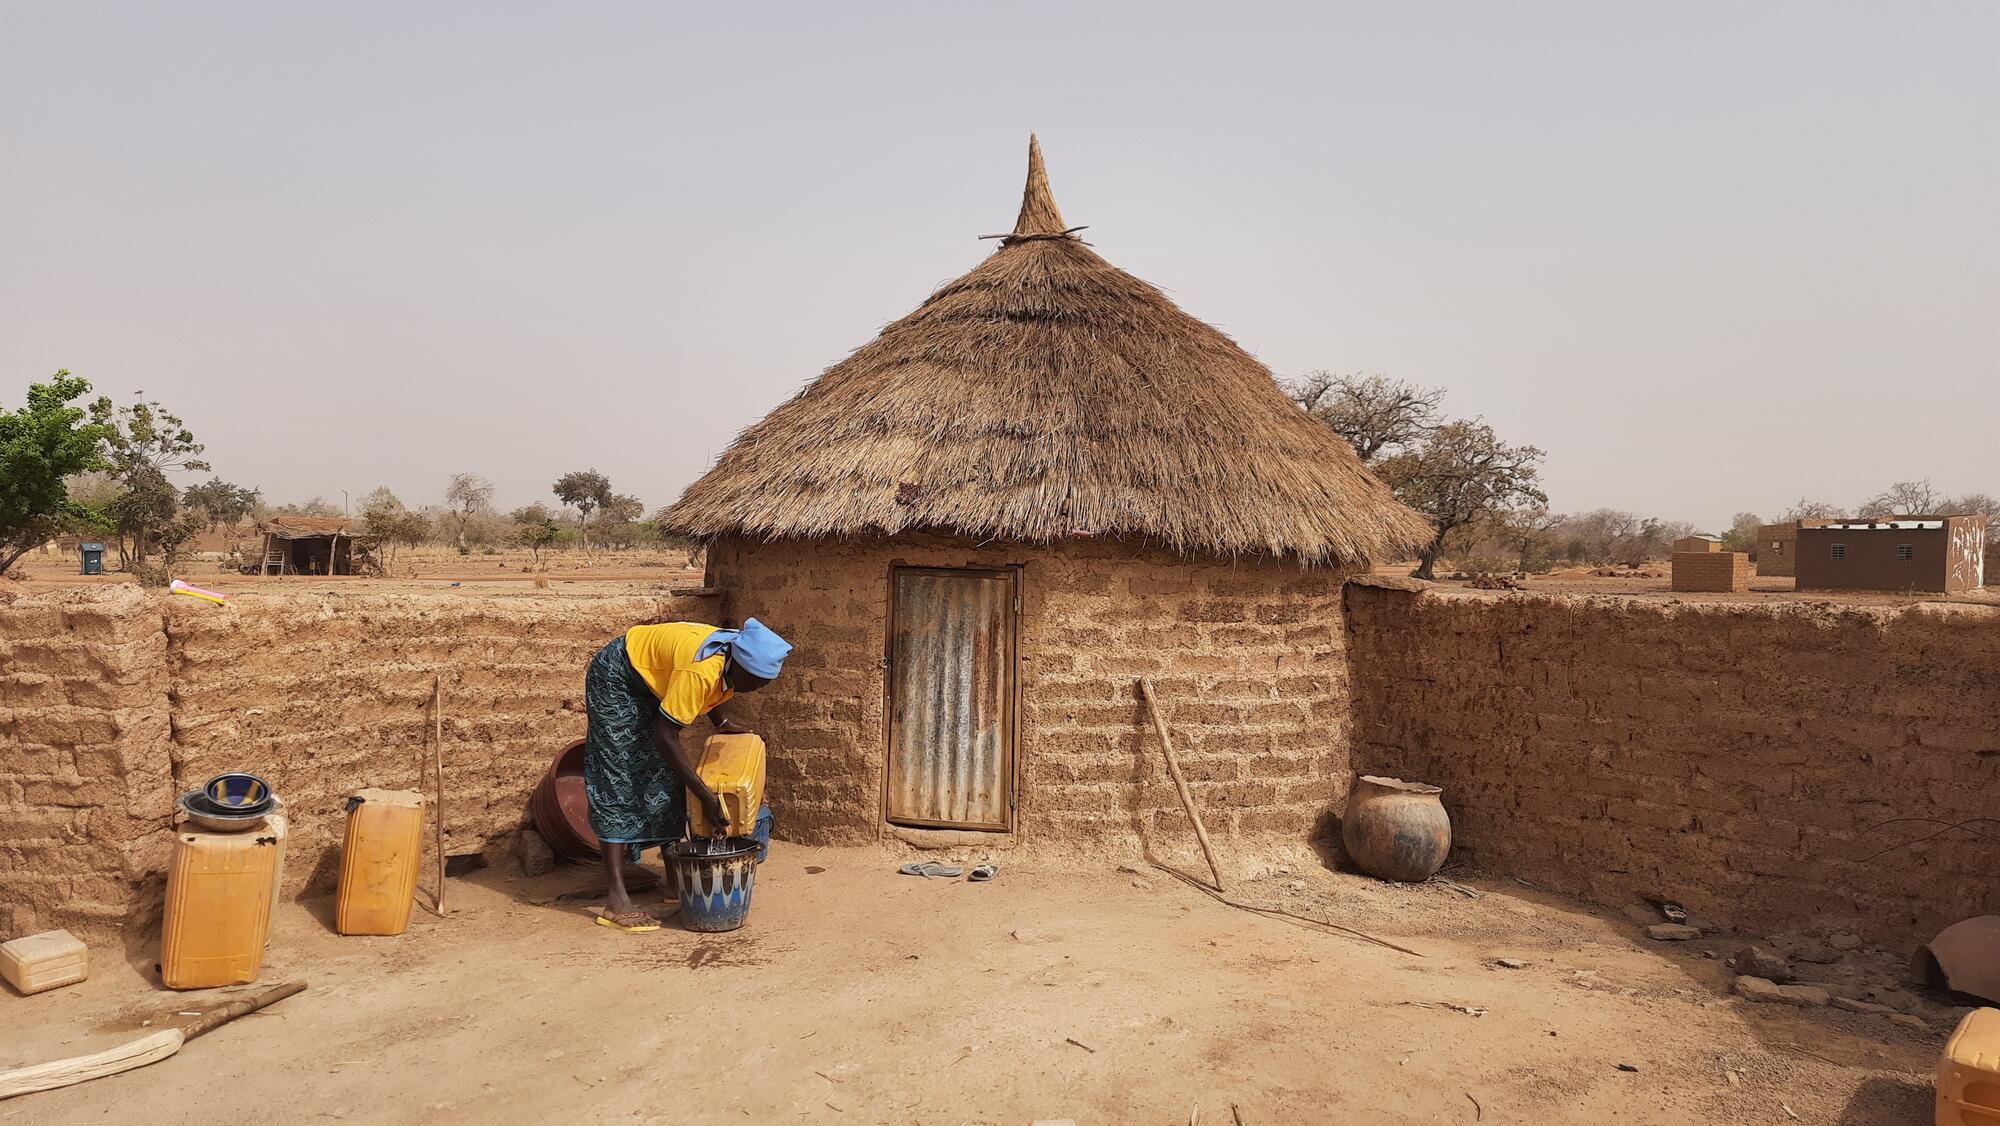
x,y
759,650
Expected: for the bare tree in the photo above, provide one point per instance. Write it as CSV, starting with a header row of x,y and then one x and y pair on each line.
x,y
465,495
1527,530
1375,414
1978,504
1459,474
1904,498
1812,510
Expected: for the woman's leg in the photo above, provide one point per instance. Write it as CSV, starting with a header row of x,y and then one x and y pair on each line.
x,y
617,900
617,738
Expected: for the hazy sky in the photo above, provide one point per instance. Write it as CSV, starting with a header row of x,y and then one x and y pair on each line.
x,y
1712,257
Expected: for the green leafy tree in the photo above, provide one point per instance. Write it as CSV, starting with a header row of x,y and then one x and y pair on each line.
x,y
537,530
1742,534
144,443
42,445
384,517
148,513
620,523
1460,473
220,502
585,490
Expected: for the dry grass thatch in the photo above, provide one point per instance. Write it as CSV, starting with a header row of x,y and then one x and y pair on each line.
x,y
305,527
1043,395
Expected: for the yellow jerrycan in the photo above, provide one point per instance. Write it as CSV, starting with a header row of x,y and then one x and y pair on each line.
x,y
218,907
733,766
1968,1076
379,861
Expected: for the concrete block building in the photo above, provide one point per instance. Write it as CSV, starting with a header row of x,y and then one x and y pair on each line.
x,y
1932,554
1778,546
1715,571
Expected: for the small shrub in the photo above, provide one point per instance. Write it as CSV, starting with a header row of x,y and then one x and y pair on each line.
x,y
148,574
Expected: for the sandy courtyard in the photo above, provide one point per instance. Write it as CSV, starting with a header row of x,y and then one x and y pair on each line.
x,y
859,996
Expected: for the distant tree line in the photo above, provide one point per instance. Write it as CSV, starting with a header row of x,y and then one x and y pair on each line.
x,y
75,466
1484,495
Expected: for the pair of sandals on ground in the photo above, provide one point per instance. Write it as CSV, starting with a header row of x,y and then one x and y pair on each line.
x,y
932,870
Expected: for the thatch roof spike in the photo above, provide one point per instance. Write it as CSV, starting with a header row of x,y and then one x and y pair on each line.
x,y
1042,395
1039,215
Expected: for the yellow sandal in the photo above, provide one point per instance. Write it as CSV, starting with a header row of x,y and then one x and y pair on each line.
x,y
651,924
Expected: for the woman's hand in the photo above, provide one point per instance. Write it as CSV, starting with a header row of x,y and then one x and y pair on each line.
x,y
711,810
727,726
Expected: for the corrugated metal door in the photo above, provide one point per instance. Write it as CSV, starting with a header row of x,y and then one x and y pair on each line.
x,y
951,698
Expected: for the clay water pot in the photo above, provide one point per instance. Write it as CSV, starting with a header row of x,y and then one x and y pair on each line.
x,y
1396,830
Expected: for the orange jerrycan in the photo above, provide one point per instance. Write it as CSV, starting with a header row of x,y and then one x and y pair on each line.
x,y
379,861
218,907
733,766
1968,1077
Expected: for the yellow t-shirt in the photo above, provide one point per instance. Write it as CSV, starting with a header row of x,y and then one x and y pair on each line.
x,y
664,657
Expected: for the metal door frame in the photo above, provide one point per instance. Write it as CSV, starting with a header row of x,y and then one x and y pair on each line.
x,y
1010,761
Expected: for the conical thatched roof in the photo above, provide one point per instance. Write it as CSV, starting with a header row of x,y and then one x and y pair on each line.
x,y
1046,394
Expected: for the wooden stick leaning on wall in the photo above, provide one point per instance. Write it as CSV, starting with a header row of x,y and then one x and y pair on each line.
x,y
437,761
1174,770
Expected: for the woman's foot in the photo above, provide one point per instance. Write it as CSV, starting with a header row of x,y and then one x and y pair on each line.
x,y
631,920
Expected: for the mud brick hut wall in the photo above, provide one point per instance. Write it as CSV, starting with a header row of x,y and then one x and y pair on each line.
x,y
1249,658
1738,758
112,703
84,771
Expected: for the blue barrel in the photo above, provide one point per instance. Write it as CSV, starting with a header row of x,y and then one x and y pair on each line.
x,y
763,833
713,879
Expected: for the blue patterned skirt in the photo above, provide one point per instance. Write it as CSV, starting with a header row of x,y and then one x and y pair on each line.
x,y
636,797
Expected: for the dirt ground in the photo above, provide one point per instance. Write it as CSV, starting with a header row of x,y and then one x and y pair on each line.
x,y
1654,581
1060,990
424,569
625,572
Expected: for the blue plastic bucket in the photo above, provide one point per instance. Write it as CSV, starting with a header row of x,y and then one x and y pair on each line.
x,y
763,834
713,879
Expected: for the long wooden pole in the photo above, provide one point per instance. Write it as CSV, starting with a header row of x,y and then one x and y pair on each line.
x,y
1180,783
134,1053
437,760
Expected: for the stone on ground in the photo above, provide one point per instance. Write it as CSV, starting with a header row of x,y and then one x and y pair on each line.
x,y
537,858
1764,962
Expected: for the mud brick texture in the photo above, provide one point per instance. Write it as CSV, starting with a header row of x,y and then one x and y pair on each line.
x,y
1741,759
114,702
1249,659
1717,571
85,779
1747,759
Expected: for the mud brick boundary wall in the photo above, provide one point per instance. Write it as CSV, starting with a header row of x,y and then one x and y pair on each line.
x,y
113,702
1735,758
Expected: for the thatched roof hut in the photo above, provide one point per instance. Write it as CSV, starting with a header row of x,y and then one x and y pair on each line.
x,y
311,545
1044,394
982,525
